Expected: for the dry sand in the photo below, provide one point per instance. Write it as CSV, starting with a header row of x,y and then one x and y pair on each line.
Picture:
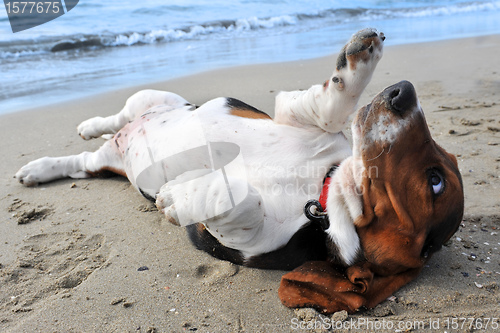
x,y
94,256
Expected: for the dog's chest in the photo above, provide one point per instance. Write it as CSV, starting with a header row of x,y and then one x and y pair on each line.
x,y
278,160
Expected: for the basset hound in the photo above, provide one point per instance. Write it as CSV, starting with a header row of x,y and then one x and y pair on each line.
x,y
239,180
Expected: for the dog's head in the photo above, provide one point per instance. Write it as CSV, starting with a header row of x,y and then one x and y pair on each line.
x,y
411,187
404,194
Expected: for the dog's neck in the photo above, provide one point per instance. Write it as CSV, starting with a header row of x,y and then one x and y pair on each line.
x,y
344,206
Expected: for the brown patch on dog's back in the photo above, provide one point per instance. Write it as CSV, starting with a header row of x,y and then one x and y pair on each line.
x,y
249,114
240,109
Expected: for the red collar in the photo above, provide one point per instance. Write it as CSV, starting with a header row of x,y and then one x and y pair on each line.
x,y
326,183
318,214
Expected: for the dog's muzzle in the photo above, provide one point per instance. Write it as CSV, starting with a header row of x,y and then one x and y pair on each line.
x,y
400,97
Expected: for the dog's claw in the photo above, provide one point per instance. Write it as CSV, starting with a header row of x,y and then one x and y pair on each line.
x,y
165,204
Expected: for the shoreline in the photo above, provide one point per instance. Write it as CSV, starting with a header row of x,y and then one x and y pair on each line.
x,y
171,82
73,253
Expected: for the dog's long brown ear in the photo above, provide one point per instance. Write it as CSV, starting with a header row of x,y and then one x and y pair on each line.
x,y
319,285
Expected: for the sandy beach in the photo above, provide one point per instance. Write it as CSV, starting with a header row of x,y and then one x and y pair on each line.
x,y
92,255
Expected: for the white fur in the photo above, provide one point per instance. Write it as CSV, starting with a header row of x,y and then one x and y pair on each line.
x,y
281,181
135,106
47,169
254,202
386,130
344,206
327,108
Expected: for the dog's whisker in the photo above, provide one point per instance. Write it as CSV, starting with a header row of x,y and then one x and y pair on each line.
x,y
372,159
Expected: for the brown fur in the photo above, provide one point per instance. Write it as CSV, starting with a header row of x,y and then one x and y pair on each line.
x,y
403,221
400,212
249,113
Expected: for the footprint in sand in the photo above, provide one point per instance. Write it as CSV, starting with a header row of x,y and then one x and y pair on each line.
x,y
216,272
49,263
25,213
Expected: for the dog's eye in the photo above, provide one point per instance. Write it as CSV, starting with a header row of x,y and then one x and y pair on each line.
x,y
437,182
370,49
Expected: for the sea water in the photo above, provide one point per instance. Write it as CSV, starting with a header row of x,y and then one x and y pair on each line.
x,y
105,45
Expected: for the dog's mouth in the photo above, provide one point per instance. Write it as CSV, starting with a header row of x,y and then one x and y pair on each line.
x,y
363,114
358,128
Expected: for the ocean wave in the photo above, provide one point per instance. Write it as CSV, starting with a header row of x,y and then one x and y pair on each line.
x,y
196,31
366,14
468,7
460,8
255,23
228,28
339,15
21,54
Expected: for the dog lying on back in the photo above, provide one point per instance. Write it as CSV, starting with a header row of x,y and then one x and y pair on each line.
x,y
239,180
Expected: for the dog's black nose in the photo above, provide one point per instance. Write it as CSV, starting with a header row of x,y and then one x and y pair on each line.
x,y
400,97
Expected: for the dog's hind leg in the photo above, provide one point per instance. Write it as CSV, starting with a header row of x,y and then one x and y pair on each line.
x,y
84,165
136,105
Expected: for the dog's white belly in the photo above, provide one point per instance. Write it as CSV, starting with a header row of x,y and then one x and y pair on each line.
x,y
285,165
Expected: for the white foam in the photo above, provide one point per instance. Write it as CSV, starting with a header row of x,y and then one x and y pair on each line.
x,y
253,23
